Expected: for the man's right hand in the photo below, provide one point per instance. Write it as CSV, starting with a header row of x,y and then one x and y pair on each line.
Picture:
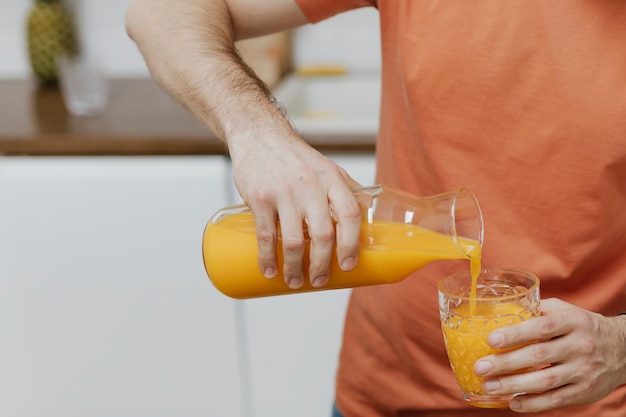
x,y
285,179
189,46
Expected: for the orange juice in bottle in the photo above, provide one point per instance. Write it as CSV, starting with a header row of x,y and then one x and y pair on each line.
x,y
400,233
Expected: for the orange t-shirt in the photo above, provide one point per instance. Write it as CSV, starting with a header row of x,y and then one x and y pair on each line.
x,y
524,102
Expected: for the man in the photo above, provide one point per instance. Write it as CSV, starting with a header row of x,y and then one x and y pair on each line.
x,y
523,101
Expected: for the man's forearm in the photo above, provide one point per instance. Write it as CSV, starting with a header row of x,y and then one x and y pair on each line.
x,y
621,329
189,49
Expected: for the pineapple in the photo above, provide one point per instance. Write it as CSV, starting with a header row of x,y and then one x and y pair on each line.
x,y
51,33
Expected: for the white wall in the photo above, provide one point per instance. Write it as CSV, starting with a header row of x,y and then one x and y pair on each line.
x,y
350,39
101,24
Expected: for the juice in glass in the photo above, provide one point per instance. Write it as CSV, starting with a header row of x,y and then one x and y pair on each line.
x,y
470,309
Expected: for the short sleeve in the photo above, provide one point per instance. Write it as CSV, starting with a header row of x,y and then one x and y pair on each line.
x,y
318,10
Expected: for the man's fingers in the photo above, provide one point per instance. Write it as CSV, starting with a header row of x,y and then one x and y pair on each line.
x,y
293,242
348,215
322,234
267,236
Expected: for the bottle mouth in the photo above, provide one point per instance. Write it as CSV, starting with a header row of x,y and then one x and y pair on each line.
x,y
467,222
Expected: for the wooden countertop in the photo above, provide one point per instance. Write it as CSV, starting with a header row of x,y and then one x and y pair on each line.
x,y
140,119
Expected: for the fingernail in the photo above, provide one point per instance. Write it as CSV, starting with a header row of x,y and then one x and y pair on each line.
x,y
491,385
515,404
295,283
269,272
348,263
482,368
495,339
319,281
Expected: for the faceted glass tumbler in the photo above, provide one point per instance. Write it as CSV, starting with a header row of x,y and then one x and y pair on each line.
x,y
470,310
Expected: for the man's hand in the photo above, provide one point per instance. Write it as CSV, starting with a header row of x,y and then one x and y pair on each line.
x,y
580,358
189,46
282,178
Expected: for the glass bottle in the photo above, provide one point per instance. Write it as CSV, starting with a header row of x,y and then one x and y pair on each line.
x,y
400,233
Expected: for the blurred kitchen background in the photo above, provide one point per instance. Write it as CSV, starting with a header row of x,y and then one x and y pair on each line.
x,y
350,40
105,307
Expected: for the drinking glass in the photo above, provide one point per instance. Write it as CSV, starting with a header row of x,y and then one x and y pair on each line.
x,y
470,310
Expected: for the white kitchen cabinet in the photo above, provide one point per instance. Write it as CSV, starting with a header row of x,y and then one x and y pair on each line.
x,y
293,341
105,308
362,167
